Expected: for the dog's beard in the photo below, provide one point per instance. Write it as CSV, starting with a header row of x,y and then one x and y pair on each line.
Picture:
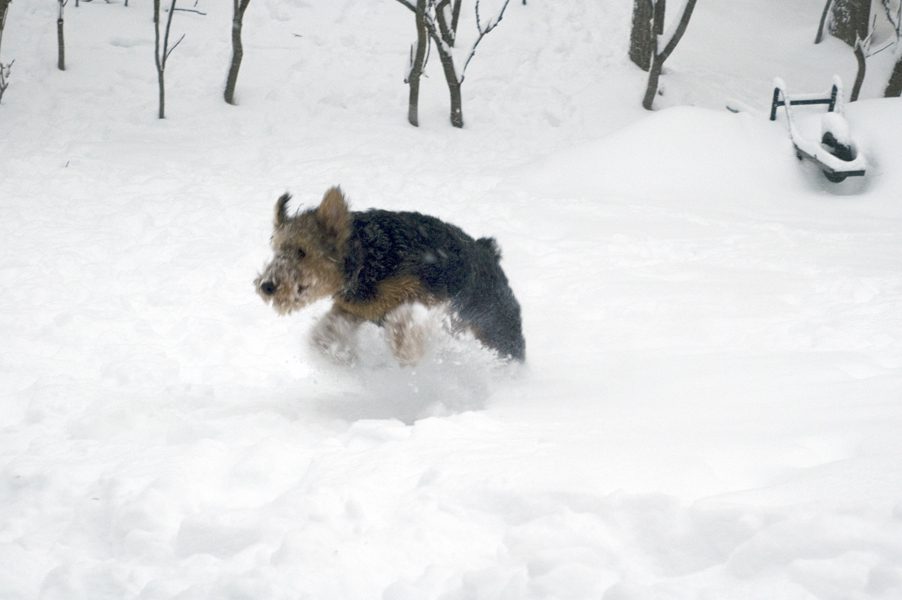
x,y
287,301
293,290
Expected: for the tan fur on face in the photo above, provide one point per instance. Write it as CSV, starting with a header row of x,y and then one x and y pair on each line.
x,y
308,253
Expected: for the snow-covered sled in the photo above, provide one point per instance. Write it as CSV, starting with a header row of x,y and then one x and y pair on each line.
x,y
835,153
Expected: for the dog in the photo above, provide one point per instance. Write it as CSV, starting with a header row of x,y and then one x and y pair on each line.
x,y
376,266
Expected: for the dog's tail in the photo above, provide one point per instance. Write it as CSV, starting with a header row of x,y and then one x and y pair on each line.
x,y
491,245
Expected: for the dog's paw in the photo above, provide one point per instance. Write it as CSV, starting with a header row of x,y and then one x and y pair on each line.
x,y
335,338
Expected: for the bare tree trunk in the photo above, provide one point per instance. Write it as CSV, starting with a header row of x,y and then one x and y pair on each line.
x,y
161,54
894,87
657,65
451,78
416,67
642,38
237,49
819,37
161,112
61,58
161,83
862,67
4,6
5,69
651,88
657,26
850,20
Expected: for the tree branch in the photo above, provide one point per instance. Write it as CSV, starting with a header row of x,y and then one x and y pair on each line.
x,y
174,46
860,56
680,30
405,3
482,33
190,10
819,37
166,51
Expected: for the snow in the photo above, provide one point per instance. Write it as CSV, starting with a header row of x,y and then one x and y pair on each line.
x,y
711,402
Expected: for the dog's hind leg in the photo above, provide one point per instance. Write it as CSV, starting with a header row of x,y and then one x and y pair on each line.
x,y
334,335
499,328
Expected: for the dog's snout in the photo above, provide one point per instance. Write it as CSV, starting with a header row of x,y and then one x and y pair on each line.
x,y
268,288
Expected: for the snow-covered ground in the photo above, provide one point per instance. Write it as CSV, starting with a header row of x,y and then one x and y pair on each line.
x,y
712,401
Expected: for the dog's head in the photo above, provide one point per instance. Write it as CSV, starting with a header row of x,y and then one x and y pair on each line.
x,y
308,253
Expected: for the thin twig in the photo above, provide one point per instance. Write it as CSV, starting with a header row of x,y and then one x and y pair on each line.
x,y
174,47
482,33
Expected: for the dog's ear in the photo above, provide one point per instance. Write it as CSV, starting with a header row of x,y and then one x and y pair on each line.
x,y
281,212
333,214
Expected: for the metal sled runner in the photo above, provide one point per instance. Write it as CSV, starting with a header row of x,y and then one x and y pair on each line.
x,y
835,153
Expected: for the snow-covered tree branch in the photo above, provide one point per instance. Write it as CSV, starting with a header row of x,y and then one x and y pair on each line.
x,y
849,20
882,32
440,20
5,70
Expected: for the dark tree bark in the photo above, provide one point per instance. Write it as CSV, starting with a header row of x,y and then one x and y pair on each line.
x,y
819,36
417,64
657,64
444,41
642,38
861,59
237,49
161,53
850,20
894,86
448,30
161,83
450,71
4,6
61,58
60,42
5,71
443,32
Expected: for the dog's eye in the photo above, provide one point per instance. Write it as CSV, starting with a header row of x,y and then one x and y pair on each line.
x,y
300,253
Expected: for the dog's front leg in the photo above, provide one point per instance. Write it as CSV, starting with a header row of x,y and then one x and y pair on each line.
x,y
334,334
407,335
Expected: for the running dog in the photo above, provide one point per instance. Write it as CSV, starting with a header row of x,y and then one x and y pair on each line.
x,y
376,265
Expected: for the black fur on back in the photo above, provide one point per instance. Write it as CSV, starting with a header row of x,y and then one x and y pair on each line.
x,y
449,263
